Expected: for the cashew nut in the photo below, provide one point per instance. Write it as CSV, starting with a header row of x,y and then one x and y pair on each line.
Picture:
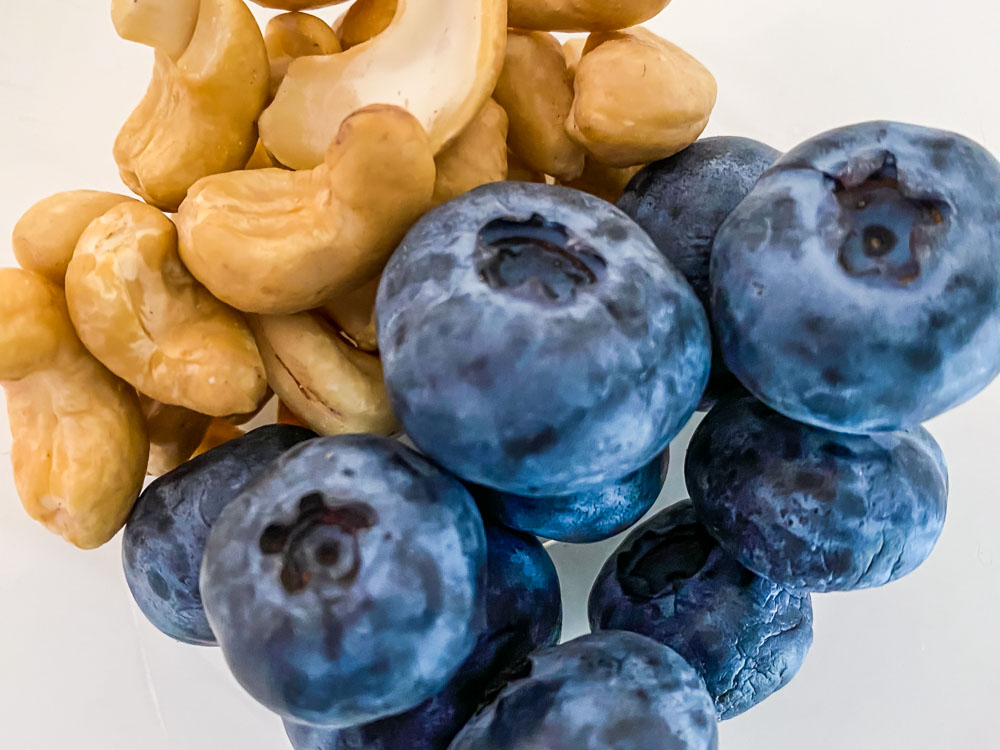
x,y
478,156
572,53
297,4
293,35
518,171
79,438
639,98
174,434
44,238
439,59
607,183
582,15
333,387
364,20
261,159
140,312
274,241
354,314
287,416
210,84
220,431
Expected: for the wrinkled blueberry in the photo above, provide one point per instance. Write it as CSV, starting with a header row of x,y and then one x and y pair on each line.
x,y
857,287
670,580
166,534
812,509
609,690
346,583
523,612
585,516
535,341
682,201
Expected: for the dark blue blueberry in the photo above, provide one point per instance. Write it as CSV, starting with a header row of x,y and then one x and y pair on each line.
x,y
346,583
682,201
670,580
857,287
811,509
585,516
610,690
535,341
165,537
523,612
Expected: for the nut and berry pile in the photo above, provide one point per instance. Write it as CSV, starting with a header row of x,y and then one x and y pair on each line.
x,y
398,225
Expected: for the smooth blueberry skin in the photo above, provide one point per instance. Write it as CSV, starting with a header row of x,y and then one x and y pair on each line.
x,y
346,583
811,509
670,581
165,536
682,201
523,612
857,286
583,517
610,690
535,341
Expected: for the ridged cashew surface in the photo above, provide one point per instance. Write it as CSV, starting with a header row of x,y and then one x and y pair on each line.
x,y
536,90
140,312
477,157
45,237
275,242
174,434
639,98
211,81
79,447
329,384
364,20
438,59
582,15
293,35
354,314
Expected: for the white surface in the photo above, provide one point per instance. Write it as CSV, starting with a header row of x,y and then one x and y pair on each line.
x,y
914,665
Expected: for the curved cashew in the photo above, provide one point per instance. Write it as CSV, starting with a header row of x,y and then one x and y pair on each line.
x,y
639,98
297,4
607,183
45,237
293,35
210,83
439,59
536,91
333,387
274,241
141,313
354,314
478,156
364,20
80,447
582,15
174,434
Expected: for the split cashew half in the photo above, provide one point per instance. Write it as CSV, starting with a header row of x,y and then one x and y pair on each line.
x,y
294,35
174,434
210,83
582,15
274,241
477,157
354,314
79,438
140,312
438,59
364,20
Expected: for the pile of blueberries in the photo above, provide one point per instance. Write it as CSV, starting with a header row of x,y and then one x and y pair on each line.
x,y
542,348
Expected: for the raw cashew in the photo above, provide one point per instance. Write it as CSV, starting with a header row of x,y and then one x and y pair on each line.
x,y
287,416
354,314
293,35
174,434
274,241
639,98
439,59
582,15
140,312
518,171
605,182
260,158
364,20
297,4
210,84
333,387
44,238
572,53
79,438
478,156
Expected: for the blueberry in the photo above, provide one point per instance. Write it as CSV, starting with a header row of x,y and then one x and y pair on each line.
x,y
535,341
165,537
523,612
682,201
346,583
585,516
610,690
670,580
811,509
857,287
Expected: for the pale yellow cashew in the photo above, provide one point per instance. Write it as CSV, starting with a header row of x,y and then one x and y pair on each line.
x,y
639,98
354,314
140,312
79,446
174,434
293,35
274,241
364,20
45,237
605,182
477,157
297,4
582,15
210,83
438,59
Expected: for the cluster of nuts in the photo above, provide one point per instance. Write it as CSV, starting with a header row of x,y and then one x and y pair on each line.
x,y
278,170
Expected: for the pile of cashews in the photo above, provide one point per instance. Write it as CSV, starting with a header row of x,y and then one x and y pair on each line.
x,y
278,169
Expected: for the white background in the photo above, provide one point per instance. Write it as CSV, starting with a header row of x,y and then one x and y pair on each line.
x,y
915,665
